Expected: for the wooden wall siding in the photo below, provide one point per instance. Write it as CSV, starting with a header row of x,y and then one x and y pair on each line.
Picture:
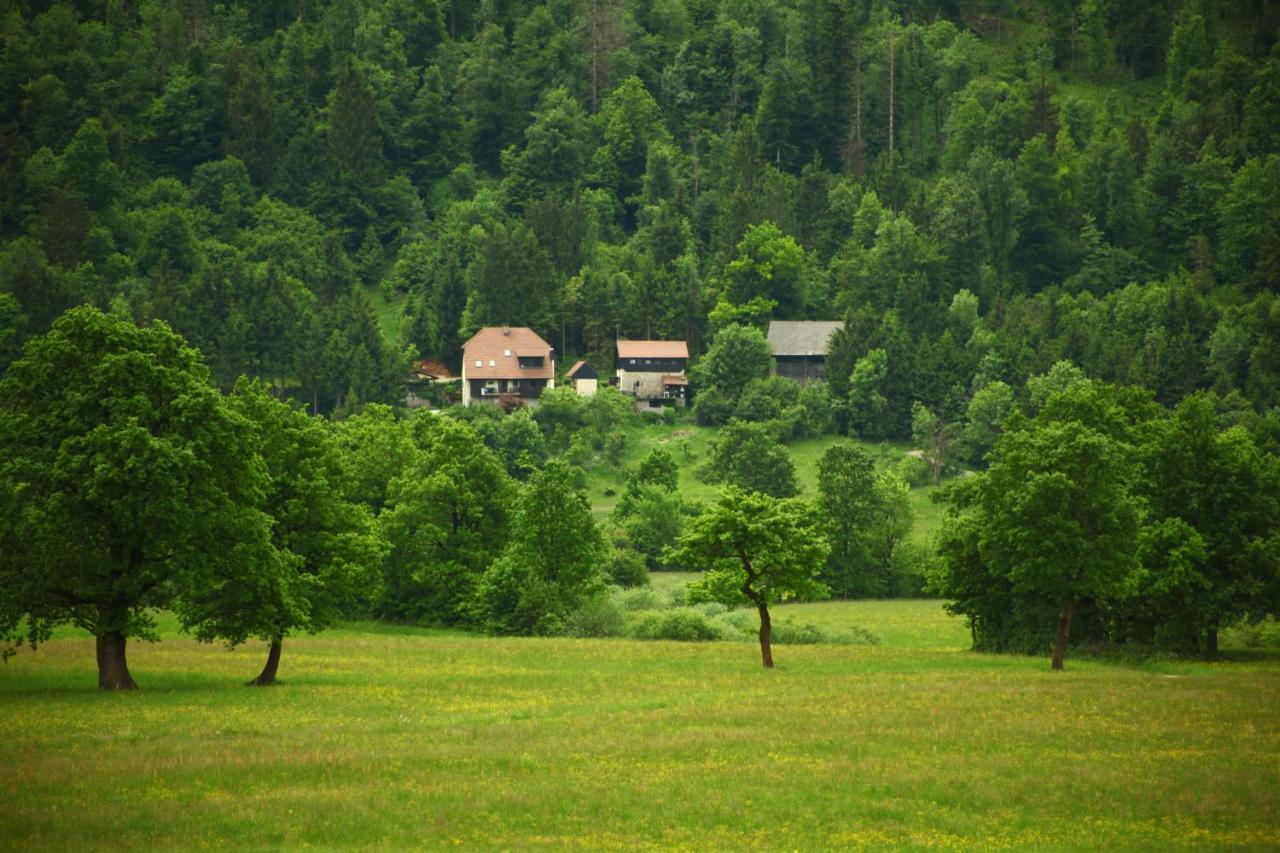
x,y
653,365
800,368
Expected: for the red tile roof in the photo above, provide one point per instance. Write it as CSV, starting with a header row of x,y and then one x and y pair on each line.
x,y
652,349
433,368
577,365
496,348
674,379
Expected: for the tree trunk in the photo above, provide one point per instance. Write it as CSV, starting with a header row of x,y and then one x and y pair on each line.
x,y
766,635
1064,631
113,669
1211,643
268,675
891,29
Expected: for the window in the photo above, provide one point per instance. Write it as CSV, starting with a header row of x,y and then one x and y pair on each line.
x,y
479,363
507,353
493,363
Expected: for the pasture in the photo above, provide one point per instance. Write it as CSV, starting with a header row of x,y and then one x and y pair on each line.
x,y
388,737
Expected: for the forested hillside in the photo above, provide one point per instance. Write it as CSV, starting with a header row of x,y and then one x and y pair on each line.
x,y
315,192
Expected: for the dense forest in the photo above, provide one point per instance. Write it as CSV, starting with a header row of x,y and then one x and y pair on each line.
x,y
315,192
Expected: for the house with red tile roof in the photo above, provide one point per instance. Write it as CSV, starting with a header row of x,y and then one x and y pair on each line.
x,y
654,370
506,362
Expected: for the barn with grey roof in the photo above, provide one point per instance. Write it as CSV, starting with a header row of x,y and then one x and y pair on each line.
x,y
800,348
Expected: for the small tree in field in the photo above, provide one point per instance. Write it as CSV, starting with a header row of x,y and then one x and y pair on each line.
x,y
124,477
738,355
765,548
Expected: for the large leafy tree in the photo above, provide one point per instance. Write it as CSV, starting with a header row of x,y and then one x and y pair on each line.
x,y
554,560
377,447
448,516
556,150
327,550
738,355
1052,523
1216,499
751,456
126,477
770,265
849,505
757,546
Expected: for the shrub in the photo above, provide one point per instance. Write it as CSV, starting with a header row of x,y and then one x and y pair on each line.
x,y
789,633
1254,635
766,399
914,470
615,447
640,598
580,452
685,624
626,568
598,616
816,415
712,407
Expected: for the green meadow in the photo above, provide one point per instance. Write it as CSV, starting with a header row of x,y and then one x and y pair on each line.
x,y
388,737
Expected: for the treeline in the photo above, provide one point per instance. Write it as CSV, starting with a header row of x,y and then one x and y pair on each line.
x,y
132,484
980,188
1105,519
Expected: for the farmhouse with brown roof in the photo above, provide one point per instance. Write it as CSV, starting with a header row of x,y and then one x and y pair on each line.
x,y
505,361
653,370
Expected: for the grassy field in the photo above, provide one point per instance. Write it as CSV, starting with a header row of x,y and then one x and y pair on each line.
x,y
691,446
390,311
398,738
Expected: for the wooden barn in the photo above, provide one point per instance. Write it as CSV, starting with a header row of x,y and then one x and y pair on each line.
x,y
800,348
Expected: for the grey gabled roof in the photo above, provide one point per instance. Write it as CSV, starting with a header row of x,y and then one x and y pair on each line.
x,y
801,337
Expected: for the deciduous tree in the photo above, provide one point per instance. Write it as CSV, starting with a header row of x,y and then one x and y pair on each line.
x,y
1054,519
126,477
327,551
554,561
758,546
448,517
